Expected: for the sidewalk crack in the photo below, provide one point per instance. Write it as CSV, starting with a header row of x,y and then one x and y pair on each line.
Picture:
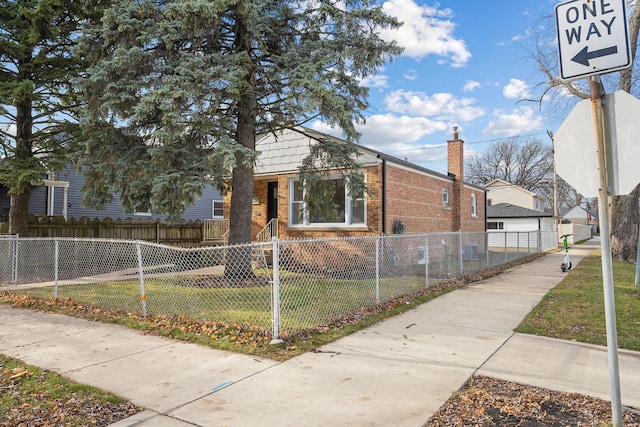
x,y
494,353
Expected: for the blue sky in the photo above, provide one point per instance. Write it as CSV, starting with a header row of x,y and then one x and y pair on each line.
x,y
465,64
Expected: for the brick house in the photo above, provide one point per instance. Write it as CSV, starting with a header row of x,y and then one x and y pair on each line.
x,y
403,197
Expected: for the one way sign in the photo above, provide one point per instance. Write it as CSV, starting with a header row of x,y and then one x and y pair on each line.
x,y
593,37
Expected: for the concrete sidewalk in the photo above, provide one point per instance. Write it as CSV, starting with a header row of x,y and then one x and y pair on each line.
x,y
398,372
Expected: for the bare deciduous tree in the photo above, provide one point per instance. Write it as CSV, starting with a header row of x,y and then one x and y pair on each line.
x,y
527,163
624,209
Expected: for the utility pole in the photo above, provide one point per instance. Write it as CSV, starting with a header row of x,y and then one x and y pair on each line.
x,y
555,186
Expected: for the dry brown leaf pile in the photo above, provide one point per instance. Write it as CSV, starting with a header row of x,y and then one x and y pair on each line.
x,y
487,401
31,397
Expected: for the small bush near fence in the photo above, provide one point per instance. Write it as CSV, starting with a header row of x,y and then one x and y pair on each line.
x,y
284,287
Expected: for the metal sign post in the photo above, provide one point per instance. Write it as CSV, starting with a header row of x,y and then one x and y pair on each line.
x,y
593,39
599,125
638,252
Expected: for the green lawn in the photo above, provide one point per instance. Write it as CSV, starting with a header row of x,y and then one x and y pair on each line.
x,y
574,309
305,302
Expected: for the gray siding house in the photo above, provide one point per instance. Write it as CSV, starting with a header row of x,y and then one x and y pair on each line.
x,y
50,200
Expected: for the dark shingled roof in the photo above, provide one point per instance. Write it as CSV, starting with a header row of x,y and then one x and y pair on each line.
x,y
507,210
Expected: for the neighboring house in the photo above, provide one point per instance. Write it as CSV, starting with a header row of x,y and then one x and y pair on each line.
x,y
512,208
500,191
506,224
578,215
63,197
403,197
509,217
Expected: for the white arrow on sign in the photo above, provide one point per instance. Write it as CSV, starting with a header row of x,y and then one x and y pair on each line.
x,y
593,37
575,146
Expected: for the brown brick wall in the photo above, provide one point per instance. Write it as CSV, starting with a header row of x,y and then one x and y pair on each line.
x,y
259,210
416,200
455,160
374,210
467,222
413,198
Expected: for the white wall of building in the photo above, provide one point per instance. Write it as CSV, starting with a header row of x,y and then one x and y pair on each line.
x,y
499,191
577,232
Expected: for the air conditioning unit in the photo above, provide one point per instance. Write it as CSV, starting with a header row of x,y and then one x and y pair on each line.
x,y
469,252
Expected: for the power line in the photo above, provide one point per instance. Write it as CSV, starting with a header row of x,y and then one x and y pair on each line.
x,y
443,145
505,138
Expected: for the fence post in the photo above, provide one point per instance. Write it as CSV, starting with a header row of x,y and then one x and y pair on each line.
x,y
505,247
143,294
378,270
16,255
487,248
460,253
276,292
55,267
426,261
539,242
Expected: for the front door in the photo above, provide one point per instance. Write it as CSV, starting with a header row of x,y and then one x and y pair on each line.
x,y
272,200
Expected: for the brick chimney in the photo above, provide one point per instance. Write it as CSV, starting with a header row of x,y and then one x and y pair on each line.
x,y
455,156
455,167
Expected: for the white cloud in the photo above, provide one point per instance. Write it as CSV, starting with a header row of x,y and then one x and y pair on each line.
x,y
385,129
418,153
327,129
397,136
516,89
375,81
442,106
471,85
410,74
426,31
523,119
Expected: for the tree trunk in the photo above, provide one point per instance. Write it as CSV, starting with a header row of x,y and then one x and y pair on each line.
x,y
624,209
19,214
626,74
238,259
242,186
625,217
20,191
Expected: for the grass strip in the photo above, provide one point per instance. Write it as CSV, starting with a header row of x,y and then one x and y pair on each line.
x,y
574,309
32,396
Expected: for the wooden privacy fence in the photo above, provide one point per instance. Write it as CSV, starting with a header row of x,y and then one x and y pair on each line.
x,y
183,234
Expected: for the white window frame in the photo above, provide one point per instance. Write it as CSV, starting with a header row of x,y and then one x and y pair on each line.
x,y
446,201
213,208
499,225
474,205
306,223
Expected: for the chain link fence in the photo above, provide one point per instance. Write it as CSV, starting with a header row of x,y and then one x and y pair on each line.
x,y
281,286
